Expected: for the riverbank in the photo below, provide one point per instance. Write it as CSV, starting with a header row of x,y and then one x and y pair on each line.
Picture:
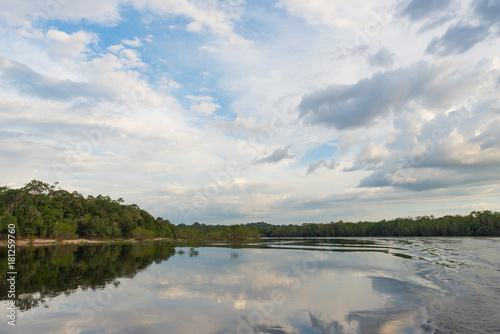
x,y
51,242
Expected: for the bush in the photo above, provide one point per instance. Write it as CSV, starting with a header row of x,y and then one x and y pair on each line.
x,y
64,230
142,234
31,240
190,234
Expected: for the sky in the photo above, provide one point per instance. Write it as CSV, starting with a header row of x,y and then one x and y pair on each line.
x,y
234,111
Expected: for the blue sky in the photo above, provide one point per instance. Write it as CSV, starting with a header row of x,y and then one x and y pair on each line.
x,y
234,111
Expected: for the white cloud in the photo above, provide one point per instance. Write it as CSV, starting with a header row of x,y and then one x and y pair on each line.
x,y
116,48
334,13
136,42
200,98
67,47
205,108
130,58
217,17
34,12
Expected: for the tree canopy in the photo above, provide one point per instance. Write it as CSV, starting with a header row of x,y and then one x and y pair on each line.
x,y
41,210
477,223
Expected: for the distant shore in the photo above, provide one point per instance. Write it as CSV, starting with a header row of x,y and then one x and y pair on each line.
x,y
50,242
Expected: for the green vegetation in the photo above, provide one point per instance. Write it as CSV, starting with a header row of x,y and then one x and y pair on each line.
x,y
477,223
41,210
234,233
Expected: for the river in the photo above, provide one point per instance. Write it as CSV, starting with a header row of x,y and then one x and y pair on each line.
x,y
322,285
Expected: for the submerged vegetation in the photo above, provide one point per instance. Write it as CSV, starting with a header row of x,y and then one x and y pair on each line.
x,y
41,210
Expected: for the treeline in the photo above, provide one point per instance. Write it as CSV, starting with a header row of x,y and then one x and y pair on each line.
x,y
41,210
235,233
477,223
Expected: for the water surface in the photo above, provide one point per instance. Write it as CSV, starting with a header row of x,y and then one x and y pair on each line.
x,y
394,285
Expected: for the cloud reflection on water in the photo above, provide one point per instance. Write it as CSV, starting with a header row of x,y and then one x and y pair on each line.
x,y
344,292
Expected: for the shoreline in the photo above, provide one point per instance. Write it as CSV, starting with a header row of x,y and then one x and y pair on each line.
x,y
80,241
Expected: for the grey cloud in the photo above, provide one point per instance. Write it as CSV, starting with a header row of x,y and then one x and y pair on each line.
x,y
458,39
490,137
16,76
435,87
488,10
321,163
433,178
419,9
358,105
463,36
383,58
278,155
445,153
432,24
384,179
368,159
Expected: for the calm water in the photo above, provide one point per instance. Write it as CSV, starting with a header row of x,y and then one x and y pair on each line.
x,y
416,285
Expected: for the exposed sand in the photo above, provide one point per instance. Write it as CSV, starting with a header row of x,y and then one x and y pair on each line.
x,y
47,242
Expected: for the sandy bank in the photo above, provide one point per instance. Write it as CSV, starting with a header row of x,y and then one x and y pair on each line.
x,y
48,242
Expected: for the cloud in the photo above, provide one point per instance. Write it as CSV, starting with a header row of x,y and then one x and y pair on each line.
x,y
489,137
464,35
442,134
205,108
278,155
130,58
216,17
200,98
383,58
321,163
458,39
21,79
69,46
136,42
455,150
116,48
241,125
37,13
370,157
333,13
203,104
420,9
361,104
102,80
431,14
488,11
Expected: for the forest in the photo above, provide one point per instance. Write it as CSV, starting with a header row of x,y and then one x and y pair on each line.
x,y
477,223
47,211
42,210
